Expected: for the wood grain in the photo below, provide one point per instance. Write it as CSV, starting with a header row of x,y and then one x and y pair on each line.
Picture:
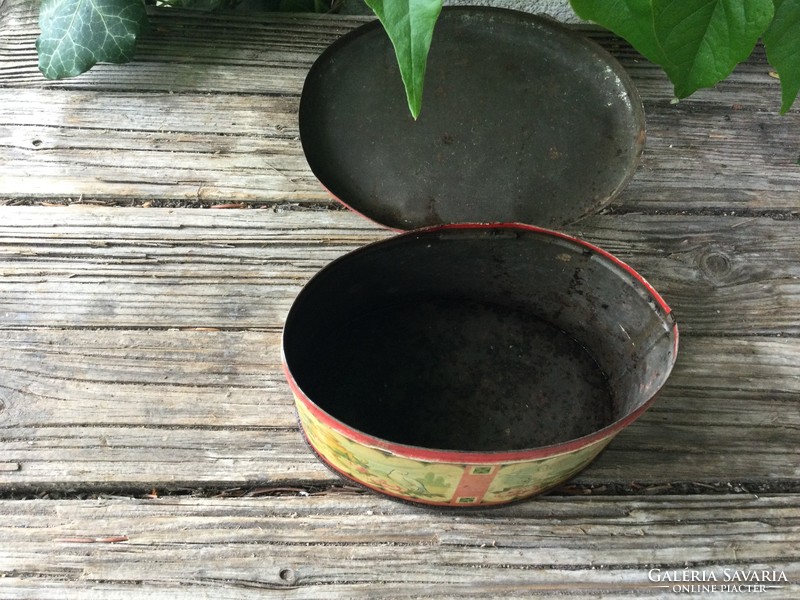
x,y
197,149
207,114
130,268
183,409
337,546
141,347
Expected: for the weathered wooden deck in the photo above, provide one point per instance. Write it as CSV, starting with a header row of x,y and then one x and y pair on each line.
x,y
148,443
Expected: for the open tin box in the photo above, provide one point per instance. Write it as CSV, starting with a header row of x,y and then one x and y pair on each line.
x,y
477,358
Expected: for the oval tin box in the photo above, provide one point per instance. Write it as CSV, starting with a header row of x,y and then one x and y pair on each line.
x,y
473,360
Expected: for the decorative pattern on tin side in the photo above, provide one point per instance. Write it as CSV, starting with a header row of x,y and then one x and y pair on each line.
x,y
436,482
379,469
515,481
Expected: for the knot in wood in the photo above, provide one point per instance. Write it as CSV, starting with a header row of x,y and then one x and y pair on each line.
x,y
715,264
287,576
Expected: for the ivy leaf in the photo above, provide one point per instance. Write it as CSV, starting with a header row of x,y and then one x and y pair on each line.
x,y
783,49
697,42
77,34
409,24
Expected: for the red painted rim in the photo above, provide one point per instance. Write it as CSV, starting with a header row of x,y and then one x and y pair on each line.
x,y
471,457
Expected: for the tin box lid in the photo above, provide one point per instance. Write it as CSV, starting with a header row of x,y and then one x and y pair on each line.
x,y
523,120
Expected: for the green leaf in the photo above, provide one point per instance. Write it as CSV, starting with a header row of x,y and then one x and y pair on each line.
x,y
697,42
409,24
630,19
77,34
782,42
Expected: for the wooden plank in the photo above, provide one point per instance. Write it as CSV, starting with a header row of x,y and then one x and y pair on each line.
x,y
236,143
185,408
199,149
156,396
353,546
717,156
211,407
189,51
172,269
724,275
180,378
207,114
241,269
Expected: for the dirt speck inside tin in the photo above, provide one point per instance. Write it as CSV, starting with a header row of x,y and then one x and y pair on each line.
x,y
459,375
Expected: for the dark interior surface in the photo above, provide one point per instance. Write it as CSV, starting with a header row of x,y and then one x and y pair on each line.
x,y
441,373
485,339
522,121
